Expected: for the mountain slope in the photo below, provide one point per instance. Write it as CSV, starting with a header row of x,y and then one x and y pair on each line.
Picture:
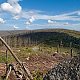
x,y
50,37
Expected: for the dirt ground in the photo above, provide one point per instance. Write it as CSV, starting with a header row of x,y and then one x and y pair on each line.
x,y
41,63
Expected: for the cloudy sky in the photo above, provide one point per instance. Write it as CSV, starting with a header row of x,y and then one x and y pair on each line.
x,y
39,14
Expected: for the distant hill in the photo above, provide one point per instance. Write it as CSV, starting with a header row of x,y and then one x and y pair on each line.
x,y
51,37
14,32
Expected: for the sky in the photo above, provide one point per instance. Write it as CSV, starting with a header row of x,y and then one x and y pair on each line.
x,y
39,14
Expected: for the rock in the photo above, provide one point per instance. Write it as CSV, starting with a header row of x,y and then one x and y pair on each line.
x,y
67,70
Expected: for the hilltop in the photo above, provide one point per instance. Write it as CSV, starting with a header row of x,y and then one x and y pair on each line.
x,y
14,32
50,37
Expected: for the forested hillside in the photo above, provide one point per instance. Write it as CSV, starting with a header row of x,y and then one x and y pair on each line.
x,y
50,37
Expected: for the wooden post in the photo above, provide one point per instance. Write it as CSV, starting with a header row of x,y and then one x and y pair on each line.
x,y
71,49
61,46
6,61
58,48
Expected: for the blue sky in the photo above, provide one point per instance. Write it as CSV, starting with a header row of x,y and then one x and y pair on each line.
x,y
39,14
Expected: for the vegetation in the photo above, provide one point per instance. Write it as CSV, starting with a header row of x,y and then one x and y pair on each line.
x,y
46,37
41,45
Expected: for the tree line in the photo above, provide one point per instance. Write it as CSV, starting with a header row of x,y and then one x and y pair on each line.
x,y
51,39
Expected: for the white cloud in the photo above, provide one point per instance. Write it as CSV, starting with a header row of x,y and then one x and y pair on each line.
x,y
16,17
38,15
6,7
30,21
57,24
2,21
55,20
27,23
30,16
15,27
51,22
13,1
11,6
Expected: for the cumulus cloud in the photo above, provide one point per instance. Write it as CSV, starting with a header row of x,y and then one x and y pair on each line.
x,y
31,20
2,21
11,6
6,7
